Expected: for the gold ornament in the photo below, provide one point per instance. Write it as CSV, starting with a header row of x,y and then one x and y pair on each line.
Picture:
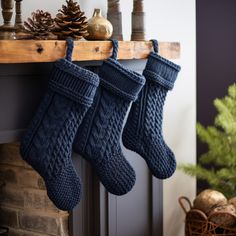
x,y
223,215
209,199
99,28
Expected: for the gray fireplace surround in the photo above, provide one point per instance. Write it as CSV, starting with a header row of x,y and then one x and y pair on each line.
x,y
138,213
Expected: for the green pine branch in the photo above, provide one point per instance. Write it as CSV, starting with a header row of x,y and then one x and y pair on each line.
x,y
221,141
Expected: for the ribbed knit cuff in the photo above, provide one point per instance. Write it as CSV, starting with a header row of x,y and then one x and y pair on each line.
x,y
74,82
161,70
120,80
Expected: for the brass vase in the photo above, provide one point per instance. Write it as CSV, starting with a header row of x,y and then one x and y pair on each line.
x,y
99,28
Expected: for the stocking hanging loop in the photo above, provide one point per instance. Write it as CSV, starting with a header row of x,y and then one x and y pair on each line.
x,y
115,45
155,45
70,47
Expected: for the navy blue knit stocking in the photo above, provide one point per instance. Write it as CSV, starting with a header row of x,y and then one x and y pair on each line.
x,y
143,130
47,144
98,137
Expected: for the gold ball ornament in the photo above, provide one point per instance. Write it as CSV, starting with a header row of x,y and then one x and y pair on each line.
x,y
209,199
99,28
224,215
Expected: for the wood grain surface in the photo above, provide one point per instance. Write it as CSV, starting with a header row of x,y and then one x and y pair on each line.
x,y
26,51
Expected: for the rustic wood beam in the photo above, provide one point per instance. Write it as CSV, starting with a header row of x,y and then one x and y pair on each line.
x,y
26,51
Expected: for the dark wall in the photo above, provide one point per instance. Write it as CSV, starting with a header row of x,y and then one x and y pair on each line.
x,y
216,56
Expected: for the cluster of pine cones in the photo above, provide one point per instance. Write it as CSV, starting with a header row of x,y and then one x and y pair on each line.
x,y
69,22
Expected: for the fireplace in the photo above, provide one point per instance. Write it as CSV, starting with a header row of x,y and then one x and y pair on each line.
x,y
24,206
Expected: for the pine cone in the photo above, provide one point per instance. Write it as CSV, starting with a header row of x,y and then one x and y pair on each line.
x,y
40,25
71,22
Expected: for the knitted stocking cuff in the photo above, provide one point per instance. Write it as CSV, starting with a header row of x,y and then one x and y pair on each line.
x,y
74,82
120,80
161,70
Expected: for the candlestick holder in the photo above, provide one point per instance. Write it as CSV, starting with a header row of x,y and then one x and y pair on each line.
x,y
115,17
19,27
18,19
138,21
7,30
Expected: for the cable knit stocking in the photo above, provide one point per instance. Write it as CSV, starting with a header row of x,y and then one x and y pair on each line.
x,y
98,138
143,130
47,144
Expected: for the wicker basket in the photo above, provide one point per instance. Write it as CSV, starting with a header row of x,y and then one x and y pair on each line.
x,y
198,224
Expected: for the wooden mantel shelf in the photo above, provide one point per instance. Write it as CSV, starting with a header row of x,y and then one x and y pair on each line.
x,y
27,51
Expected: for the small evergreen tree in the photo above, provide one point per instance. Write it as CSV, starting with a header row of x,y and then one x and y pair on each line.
x,y
218,165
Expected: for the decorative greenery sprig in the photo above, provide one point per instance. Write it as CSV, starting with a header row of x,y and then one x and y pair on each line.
x,y
218,165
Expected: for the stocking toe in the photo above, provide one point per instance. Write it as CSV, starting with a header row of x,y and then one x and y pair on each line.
x,y
117,175
64,189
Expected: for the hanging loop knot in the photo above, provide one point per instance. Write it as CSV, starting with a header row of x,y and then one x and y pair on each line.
x,y
155,45
70,47
115,45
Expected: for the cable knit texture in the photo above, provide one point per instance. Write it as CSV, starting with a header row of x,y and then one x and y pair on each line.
x,y
98,137
143,130
47,144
